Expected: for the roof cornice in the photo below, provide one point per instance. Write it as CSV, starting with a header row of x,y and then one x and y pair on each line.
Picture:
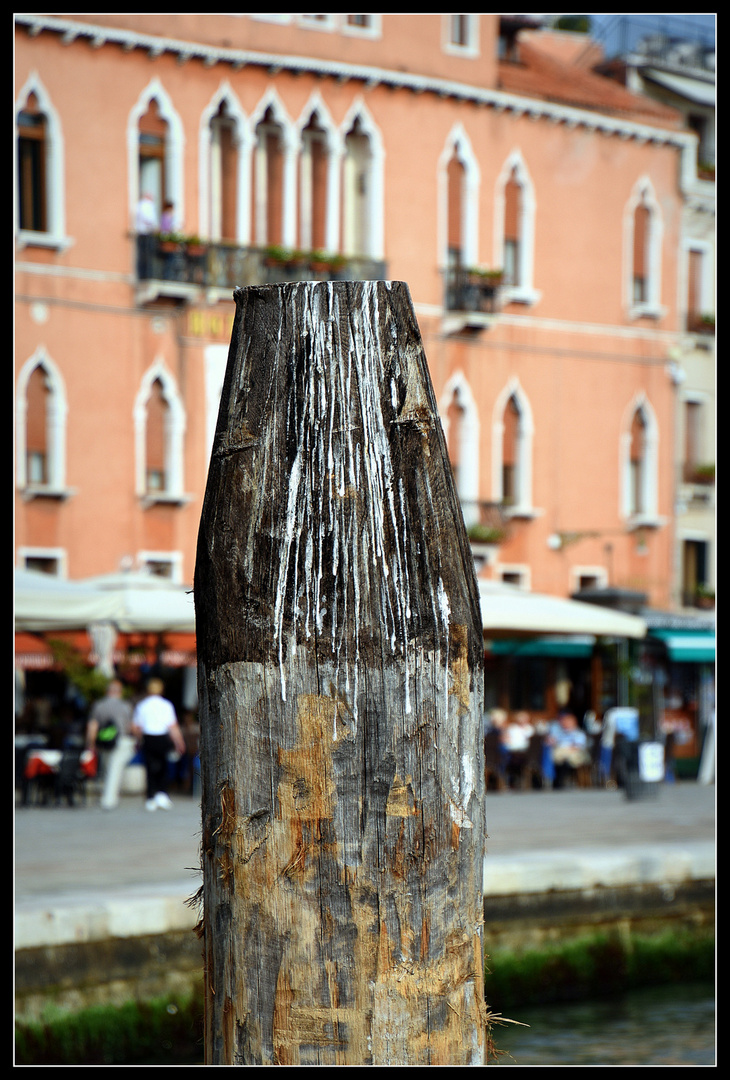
x,y
210,55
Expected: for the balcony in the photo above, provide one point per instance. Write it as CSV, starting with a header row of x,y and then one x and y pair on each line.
x,y
487,527
472,297
179,266
701,324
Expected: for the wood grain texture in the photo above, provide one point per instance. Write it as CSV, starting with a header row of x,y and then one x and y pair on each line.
x,y
340,682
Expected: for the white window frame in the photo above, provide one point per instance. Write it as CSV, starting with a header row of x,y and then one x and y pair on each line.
x,y
598,573
524,292
56,429
651,307
206,158
458,144
467,473
173,490
271,100
174,150
335,151
54,235
372,30
707,282
519,570
327,24
470,48
57,554
375,239
173,559
522,506
649,515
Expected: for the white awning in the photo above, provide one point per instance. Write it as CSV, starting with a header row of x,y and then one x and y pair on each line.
x,y
133,602
702,93
46,603
507,609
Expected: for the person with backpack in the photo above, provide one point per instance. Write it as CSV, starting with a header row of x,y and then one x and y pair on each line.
x,y
108,733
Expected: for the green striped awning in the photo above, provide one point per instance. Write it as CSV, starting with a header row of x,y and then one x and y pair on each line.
x,y
572,645
688,646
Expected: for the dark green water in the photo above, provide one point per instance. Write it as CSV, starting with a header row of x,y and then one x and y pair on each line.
x,y
669,1026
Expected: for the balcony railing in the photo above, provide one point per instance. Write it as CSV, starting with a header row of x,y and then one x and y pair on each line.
x,y
472,290
486,522
189,262
700,324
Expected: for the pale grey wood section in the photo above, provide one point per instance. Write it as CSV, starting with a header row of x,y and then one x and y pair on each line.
x,y
340,680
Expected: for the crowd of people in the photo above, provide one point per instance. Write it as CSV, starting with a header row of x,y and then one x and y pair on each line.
x,y
520,751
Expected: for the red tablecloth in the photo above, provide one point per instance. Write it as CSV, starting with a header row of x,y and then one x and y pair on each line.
x,y
46,763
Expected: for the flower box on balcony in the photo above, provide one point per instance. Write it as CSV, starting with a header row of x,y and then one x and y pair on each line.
x,y
479,275
323,262
485,534
169,243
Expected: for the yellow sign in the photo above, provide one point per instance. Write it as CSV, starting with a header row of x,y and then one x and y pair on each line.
x,y
215,325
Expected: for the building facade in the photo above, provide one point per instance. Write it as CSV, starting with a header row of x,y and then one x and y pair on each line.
x,y
537,210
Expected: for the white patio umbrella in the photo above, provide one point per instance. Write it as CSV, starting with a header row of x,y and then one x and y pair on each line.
x,y
46,603
509,610
140,602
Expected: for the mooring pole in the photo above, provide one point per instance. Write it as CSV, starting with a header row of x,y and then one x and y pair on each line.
x,y
340,672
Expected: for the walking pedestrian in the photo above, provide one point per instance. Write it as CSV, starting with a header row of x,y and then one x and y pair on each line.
x,y
108,734
155,721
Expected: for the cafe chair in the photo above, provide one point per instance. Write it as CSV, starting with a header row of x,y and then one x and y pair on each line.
x,y
70,778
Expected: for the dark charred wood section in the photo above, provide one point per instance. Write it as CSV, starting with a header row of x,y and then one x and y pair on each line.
x,y
340,680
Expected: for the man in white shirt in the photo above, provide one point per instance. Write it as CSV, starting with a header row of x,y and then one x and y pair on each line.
x,y
156,722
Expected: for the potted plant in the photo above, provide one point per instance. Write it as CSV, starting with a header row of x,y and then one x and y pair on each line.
x,y
485,275
325,262
704,596
704,474
277,255
485,534
169,242
194,246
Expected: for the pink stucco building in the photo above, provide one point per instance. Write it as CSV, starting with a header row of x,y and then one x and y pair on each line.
x,y
534,207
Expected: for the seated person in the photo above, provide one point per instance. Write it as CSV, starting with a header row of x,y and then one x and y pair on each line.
x,y
569,746
516,740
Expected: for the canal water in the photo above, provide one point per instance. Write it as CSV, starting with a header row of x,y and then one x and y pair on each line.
x,y
668,1026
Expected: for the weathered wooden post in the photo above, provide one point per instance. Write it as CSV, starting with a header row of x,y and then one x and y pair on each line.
x,y
340,680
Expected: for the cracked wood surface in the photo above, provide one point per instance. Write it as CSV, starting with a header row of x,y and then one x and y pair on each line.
x,y
340,682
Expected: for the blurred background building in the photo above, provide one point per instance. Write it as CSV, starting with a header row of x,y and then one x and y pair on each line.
x,y
551,205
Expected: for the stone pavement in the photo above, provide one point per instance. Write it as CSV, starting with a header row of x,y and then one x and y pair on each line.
x,y
82,874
